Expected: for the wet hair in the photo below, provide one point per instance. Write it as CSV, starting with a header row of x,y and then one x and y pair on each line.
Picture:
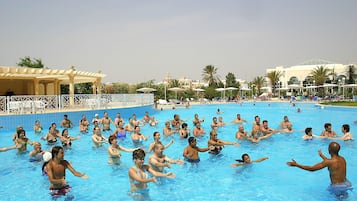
x,y
212,132
65,115
157,145
19,127
184,125
242,160
346,127
111,138
308,130
265,121
155,133
44,172
64,130
138,154
55,151
327,125
191,139
19,132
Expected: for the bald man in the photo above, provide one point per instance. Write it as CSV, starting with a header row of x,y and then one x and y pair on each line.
x,y
336,166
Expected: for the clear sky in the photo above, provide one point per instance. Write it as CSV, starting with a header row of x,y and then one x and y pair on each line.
x,y
137,41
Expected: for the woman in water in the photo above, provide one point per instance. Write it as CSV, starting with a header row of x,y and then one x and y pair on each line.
x,y
22,140
246,160
66,139
37,127
114,150
120,131
138,176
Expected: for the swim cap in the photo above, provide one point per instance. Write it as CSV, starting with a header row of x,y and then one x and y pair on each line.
x,y
47,156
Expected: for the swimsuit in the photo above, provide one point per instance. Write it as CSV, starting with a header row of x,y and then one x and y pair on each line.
x,y
132,181
66,144
36,158
60,191
192,160
51,141
340,188
216,150
121,135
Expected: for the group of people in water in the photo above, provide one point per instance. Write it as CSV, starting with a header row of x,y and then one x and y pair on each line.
x,y
55,164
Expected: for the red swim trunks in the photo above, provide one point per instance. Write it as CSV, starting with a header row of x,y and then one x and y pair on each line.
x,y
60,191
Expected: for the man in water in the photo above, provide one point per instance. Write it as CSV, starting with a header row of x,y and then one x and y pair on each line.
x,y
56,171
336,166
158,160
190,153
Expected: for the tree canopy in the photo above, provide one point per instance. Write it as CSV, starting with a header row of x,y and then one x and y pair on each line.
x,y
28,62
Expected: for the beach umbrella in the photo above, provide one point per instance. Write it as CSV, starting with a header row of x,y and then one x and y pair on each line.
x,y
294,86
146,90
176,89
244,89
353,86
221,90
231,89
328,85
198,90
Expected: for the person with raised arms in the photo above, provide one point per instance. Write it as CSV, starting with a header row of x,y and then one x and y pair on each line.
x,y
246,160
336,166
56,172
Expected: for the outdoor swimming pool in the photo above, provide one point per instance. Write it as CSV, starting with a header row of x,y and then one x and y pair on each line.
x,y
212,178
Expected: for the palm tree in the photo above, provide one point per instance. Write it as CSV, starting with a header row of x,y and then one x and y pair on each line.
x,y
258,82
320,75
209,75
274,77
351,74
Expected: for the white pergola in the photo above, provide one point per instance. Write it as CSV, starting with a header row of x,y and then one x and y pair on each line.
x,y
34,77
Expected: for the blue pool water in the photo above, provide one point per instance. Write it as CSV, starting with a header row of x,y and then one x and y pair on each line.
x,y
212,178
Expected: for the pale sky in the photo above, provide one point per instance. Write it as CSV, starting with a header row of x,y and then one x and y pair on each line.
x,y
137,41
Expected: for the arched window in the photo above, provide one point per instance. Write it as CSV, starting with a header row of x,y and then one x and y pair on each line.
x,y
293,80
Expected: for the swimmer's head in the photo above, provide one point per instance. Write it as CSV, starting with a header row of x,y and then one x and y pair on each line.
x,y
308,130
19,132
111,138
334,148
139,154
56,150
191,140
346,127
245,159
156,133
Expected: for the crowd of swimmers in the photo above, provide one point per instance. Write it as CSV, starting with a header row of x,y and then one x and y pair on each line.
x,y
54,165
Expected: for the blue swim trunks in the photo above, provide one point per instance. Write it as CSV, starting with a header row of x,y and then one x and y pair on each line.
x,y
192,160
340,188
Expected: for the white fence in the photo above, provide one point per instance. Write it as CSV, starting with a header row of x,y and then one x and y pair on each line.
x,y
53,103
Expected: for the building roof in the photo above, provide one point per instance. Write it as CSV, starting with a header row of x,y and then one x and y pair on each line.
x,y
316,62
7,72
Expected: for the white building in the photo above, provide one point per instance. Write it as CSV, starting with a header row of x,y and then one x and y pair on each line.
x,y
300,74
